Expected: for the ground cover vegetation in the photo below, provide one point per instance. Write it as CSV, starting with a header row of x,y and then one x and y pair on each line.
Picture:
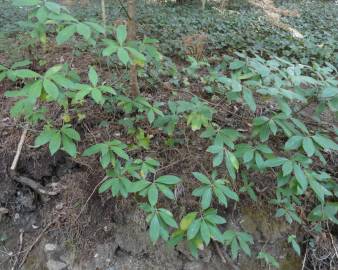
x,y
258,105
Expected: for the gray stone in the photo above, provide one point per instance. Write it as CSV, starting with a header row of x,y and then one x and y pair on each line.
x,y
50,247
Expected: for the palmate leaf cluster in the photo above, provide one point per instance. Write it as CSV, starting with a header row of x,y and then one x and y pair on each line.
x,y
277,141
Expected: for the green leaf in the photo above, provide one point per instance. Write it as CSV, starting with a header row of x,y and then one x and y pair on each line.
x,y
153,195
249,99
168,180
168,218
97,96
154,229
187,220
43,138
166,191
193,229
234,248
319,189
325,142
215,219
93,77
51,89
274,162
106,185
121,34
202,178
218,158
287,168
309,146
120,152
293,143
112,48
65,34
92,150
206,198
244,246
300,176
68,146
26,74
83,30
22,3
71,133
205,233
122,54
140,185
55,142
54,7
231,194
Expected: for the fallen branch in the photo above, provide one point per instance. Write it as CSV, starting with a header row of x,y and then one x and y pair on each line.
x,y
34,185
18,150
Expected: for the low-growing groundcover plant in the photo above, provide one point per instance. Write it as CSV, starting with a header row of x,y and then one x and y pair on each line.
x,y
280,140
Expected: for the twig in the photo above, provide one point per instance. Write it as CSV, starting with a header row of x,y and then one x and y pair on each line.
x,y
18,151
19,250
332,241
35,242
225,258
305,256
219,252
90,196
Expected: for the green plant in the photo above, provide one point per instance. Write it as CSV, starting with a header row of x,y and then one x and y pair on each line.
x,y
150,189
237,241
64,138
268,259
214,186
109,151
199,229
292,240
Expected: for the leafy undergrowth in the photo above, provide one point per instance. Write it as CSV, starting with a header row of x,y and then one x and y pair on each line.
x,y
208,130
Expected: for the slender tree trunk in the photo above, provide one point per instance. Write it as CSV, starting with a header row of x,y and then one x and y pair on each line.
x,y
134,88
103,14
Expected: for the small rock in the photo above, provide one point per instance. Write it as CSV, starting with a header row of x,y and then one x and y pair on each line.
x,y
50,247
59,206
56,265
